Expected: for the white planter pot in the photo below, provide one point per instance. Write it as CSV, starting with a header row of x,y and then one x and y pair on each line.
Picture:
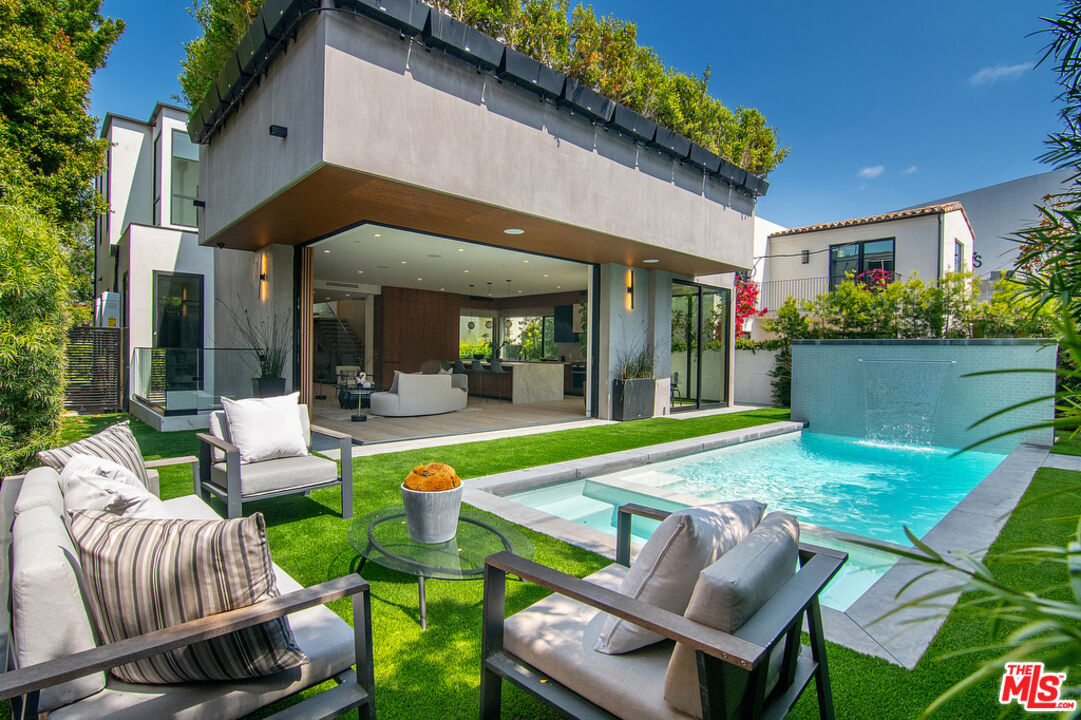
x,y
432,517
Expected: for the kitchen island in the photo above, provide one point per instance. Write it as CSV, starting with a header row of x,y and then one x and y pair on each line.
x,y
521,382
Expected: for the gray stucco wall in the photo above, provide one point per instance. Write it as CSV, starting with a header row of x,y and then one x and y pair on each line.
x,y
916,390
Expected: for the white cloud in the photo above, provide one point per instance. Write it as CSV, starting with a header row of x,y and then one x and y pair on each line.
x,y
993,73
871,172
909,170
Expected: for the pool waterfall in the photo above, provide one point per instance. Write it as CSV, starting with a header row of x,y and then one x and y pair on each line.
x,y
901,399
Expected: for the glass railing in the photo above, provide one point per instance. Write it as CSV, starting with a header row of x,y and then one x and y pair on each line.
x,y
182,381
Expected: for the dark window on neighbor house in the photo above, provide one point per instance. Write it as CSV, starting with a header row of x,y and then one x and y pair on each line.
x,y
157,180
859,257
185,180
958,256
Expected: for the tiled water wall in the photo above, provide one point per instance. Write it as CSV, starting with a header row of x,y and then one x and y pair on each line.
x,y
916,392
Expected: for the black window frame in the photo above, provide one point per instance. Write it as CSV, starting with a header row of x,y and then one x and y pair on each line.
x,y
958,256
173,195
861,262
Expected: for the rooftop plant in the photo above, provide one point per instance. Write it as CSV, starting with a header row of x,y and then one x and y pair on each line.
x,y
601,52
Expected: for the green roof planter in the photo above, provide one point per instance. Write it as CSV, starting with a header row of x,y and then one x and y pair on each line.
x,y
252,47
527,73
755,185
628,122
705,159
228,82
586,101
462,41
671,142
406,16
733,174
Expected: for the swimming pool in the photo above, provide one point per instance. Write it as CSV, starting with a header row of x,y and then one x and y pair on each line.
x,y
840,484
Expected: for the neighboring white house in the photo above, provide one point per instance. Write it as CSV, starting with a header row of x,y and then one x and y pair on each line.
x,y
807,261
151,276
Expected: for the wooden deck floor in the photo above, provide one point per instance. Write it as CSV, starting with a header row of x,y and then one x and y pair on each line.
x,y
482,415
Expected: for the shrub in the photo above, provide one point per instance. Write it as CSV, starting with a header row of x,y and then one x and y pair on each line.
x,y
34,287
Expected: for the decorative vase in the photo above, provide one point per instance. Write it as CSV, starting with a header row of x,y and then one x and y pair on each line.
x,y
267,387
432,517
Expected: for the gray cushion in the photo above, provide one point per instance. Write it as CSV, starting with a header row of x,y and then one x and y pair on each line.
x,y
728,593
557,635
50,620
278,474
667,568
115,443
197,568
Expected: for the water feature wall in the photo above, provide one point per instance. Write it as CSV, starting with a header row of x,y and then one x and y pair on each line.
x,y
915,392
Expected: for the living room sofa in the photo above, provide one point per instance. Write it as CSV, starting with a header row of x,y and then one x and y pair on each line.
x,y
47,638
412,395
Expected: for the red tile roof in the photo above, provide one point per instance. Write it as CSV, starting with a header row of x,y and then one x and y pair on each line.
x,y
887,217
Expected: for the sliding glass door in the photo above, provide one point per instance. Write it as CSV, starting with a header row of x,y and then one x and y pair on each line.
x,y
700,337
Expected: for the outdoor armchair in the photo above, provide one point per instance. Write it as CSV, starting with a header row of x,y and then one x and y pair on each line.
x,y
757,671
221,472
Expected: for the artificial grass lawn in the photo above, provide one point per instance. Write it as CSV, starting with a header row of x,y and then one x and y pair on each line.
x,y
435,674
1065,445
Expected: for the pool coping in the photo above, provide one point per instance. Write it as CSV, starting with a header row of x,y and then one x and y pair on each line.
x,y
901,638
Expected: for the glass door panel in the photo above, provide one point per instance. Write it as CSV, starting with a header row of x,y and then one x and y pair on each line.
x,y
700,323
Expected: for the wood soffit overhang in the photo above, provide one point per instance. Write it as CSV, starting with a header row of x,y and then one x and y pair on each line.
x,y
332,198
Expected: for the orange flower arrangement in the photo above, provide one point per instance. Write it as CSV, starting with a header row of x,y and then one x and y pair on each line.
x,y
432,477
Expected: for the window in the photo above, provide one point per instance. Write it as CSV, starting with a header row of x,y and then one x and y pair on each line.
x,y
958,256
157,180
859,257
178,311
185,180
475,334
529,337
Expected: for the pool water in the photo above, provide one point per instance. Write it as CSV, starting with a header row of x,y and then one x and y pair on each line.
x,y
844,484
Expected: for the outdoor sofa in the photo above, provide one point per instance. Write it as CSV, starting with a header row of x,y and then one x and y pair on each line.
x,y
44,628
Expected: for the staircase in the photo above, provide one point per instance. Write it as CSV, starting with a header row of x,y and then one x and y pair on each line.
x,y
336,343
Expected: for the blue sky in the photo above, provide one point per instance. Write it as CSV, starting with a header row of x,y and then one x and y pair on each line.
x,y
883,104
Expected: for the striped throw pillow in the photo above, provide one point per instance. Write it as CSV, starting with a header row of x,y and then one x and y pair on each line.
x,y
116,443
148,574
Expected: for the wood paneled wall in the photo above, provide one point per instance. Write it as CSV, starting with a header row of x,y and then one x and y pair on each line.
x,y
412,326
352,312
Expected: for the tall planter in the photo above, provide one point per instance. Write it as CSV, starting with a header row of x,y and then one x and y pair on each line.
x,y
633,399
268,387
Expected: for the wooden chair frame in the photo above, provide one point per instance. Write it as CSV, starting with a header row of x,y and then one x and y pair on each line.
x,y
235,499
717,653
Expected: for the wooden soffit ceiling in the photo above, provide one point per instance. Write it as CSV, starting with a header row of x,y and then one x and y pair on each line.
x,y
332,198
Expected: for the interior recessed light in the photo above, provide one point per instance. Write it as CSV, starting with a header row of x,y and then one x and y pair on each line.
x,y
403,262
465,271
347,294
378,235
419,279
525,261
545,276
651,260
442,289
519,291
514,231
461,249
327,252
558,286
360,272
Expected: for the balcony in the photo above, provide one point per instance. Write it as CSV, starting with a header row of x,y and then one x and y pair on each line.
x,y
772,294
184,381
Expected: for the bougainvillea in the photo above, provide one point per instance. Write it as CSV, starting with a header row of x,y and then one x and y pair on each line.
x,y
746,303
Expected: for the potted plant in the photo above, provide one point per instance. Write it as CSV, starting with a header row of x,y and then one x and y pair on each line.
x,y
432,496
633,392
269,341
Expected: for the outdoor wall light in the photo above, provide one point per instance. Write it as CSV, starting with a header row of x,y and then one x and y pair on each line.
x,y
263,289
279,131
199,203
630,289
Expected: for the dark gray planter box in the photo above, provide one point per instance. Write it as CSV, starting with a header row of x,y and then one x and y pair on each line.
x,y
462,41
629,122
733,174
671,142
267,387
406,16
705,159
587,101
531,75
633,399
756,185
228,80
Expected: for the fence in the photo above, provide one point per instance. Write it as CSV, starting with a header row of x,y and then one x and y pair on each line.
x,y
95,370
772,294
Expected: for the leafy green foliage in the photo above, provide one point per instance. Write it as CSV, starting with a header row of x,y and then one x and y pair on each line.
x,y
33,324
601,52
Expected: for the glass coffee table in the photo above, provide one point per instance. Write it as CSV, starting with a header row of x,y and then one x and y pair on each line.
x,y
383,538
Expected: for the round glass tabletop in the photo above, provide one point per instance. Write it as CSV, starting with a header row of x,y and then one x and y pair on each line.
x,y
382,538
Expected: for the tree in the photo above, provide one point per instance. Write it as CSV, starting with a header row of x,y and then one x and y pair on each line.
x,y
601,52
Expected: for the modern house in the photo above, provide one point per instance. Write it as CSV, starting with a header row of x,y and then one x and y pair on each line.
x,y
436,190
805,262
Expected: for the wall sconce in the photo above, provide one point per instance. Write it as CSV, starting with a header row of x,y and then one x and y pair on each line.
x,y
279,131
262,278
630,289
199,203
